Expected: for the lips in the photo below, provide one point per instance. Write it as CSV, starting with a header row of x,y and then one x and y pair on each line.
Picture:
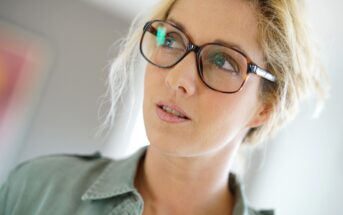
x,y
174,107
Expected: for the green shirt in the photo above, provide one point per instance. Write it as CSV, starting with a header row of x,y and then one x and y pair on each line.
x,y
87,185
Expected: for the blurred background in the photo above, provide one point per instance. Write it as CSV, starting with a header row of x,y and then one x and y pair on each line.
x,y
54,57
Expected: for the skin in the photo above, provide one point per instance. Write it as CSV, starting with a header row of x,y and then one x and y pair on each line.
x,y
185,170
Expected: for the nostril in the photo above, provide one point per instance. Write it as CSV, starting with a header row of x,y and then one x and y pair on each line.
x,y
183,89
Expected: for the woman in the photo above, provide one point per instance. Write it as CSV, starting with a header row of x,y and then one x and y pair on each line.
x,y
220,74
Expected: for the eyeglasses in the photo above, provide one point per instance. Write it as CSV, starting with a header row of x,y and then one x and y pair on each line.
x,y
221,67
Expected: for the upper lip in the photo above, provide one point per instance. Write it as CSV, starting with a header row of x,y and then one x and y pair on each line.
x,y
173,106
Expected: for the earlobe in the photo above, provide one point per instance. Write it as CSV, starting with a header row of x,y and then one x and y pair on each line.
x,y
261,116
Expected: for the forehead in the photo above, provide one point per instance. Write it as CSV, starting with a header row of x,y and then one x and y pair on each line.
x,y
232,21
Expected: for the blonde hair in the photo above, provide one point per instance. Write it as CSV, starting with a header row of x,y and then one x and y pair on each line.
x,y
288,51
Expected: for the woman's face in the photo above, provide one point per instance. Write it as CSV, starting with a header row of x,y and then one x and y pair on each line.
x,y
217,118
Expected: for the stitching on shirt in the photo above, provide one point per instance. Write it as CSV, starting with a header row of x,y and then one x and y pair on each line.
x,y
93,190
124,208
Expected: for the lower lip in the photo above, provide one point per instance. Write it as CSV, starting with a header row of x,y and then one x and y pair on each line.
x,y
168,117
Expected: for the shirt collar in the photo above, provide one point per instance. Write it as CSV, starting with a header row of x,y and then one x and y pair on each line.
x,y
117,178
111,184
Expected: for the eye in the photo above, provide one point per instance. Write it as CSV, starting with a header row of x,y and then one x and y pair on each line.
x,y
169,42
172,40
223,61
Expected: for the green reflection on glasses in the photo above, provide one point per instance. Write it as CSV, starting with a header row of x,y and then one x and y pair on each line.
x,y
161,35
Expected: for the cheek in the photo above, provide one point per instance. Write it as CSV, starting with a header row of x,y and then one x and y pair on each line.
x,y
152,82
221,117
153,77
153,91
226,115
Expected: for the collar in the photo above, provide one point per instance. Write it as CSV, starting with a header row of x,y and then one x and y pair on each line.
x,y
116,179
111,184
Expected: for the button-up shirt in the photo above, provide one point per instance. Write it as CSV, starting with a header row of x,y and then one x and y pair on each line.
x,y
86,185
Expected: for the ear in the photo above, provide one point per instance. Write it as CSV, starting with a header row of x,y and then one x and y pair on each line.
x,y
262,114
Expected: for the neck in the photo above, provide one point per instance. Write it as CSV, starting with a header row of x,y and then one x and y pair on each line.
x,y
186,185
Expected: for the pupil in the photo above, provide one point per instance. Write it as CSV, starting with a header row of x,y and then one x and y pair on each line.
x,y
169,42
219,60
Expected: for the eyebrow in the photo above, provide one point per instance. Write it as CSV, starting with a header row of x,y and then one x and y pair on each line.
x,y
229,44
178,24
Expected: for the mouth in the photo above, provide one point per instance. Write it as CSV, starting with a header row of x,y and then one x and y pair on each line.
x,y
172,111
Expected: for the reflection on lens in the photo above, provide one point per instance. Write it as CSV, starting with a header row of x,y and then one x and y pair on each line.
x,y
161,35
163,44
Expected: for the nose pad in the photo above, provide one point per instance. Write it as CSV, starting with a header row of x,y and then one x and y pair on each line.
x,y
183,76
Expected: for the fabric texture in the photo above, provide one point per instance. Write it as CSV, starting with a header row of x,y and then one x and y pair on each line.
x,y
86,184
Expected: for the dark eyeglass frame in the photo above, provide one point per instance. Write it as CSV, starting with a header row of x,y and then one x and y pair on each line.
x,y
251,66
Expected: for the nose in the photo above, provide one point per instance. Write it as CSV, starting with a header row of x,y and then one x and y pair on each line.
x,y
183,76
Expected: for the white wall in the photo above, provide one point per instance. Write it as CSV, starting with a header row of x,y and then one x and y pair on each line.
x,y
65,118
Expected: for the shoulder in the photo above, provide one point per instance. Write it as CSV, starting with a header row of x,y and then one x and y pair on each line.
x,y
60,165
53,172
57,160
45,181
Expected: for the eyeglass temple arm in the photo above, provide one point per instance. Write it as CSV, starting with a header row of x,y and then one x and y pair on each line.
x,y
261,72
